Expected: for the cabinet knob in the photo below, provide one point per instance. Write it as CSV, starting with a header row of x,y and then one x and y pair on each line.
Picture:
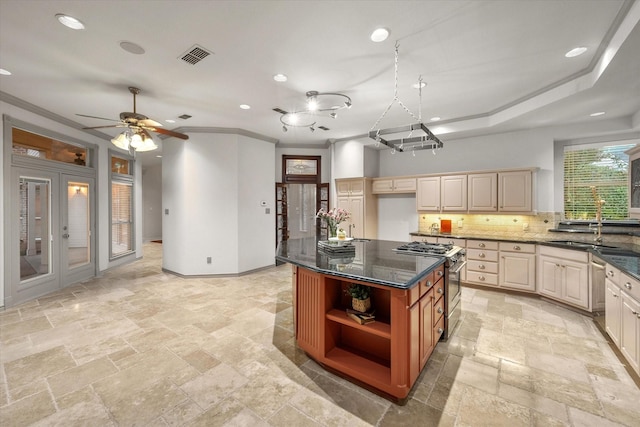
x,y
440,273
429,283
481,255
481,267
440,330
635,313
481,278
440,291
440,310
481,245
516,248
627,285
614,295
610,273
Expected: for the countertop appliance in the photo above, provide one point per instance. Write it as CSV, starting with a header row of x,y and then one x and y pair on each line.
x,y
455,262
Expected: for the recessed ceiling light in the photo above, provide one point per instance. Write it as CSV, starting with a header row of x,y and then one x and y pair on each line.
x,y
575,52
379,35
418,85
170,121
599,113
131,47
280,78
245,106
159,156
70,21
5,72
434,119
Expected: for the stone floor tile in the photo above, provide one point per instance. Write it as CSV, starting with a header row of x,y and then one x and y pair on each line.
x,y
28,410
182,413
290,416
23,327
79,376
481,409
586,419
415,413
31,368
214,385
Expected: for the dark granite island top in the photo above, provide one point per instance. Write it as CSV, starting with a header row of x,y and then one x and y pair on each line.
x,y
373,261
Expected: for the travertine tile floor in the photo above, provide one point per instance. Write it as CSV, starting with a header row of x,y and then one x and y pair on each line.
x,y
141,347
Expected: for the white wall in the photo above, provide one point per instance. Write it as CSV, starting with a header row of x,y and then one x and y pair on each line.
x,y
212,185
152,202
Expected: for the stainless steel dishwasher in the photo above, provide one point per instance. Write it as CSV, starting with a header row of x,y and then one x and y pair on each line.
x,y
596,283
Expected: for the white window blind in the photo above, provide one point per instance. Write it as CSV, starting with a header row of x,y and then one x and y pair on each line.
x,y
121,218
602,166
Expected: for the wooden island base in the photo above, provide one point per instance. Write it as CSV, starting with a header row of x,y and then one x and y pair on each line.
x,y
385,356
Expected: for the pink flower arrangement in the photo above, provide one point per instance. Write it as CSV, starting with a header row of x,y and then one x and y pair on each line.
x,y
335,216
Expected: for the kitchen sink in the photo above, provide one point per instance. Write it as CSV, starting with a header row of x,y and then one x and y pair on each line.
x,y
575,244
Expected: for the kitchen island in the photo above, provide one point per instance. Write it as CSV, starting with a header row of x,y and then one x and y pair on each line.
x,y
387,355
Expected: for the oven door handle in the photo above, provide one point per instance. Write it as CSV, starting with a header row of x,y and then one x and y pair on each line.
x,y
458,268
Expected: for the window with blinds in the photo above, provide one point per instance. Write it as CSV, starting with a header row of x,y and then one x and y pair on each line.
x,y
605,167
121,218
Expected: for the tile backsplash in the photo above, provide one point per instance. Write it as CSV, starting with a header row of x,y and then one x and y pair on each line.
x,y
534,227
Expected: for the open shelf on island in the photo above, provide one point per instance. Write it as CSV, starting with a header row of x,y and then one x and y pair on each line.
x,y
379,328
348,360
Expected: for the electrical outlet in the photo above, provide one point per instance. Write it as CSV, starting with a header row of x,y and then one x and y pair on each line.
x,y
460,224
525,226
166,211
208,260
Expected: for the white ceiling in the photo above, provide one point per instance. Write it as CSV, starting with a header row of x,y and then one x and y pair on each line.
x,y
489,65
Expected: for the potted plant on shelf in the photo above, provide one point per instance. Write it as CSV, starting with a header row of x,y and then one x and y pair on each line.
x,y
360,297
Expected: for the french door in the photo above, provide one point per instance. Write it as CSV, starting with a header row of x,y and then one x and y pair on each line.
x,y
52,239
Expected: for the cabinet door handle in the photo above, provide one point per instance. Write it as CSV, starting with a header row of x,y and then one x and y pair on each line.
x,y
440,310
627,285
481,267
516,248
635,313
481,255
481,245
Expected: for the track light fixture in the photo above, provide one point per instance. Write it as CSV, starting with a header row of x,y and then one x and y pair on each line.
x,y
317,106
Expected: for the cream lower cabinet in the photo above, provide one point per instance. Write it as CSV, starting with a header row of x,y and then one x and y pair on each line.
x,y
482,262
354,195
564,275
517,266
630,330
613,306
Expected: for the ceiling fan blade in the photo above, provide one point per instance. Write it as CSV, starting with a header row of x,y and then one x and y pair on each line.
x,y
168,132
94,117
149,123
102,127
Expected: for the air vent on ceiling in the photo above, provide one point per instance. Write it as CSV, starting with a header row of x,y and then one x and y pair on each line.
x,y
279,110
323,127
184,117
195,55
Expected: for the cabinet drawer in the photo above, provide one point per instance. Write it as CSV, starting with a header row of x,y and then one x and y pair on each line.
x,y
482,244
438,310
482,266
438,292
451,241
482,278
527,248
578,255
482,255
630,286
613,274
438,329
426,283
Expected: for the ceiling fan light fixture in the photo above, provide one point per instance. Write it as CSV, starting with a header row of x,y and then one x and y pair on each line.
x,y
69,21
122,141
146,144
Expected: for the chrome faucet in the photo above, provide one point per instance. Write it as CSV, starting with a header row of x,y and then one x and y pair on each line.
x,y
598,227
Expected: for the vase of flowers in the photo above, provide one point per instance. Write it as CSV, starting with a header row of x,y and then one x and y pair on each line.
x,y
332,218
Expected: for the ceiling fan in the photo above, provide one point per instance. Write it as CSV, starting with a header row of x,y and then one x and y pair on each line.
x,y
137,123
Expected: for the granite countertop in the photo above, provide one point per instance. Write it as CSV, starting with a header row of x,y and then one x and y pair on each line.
x,y
372,261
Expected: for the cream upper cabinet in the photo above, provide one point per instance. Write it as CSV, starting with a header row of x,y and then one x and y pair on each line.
x,y
394,185
350,187
483,192
515,192
453,193
354,195
428,194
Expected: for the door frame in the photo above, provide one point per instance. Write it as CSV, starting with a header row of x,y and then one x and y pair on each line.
x,y
12,164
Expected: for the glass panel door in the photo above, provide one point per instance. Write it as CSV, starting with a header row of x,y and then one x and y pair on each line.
x,y
34,198
76,243
301,213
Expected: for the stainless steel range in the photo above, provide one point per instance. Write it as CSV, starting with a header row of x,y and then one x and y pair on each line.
x,y
455,262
